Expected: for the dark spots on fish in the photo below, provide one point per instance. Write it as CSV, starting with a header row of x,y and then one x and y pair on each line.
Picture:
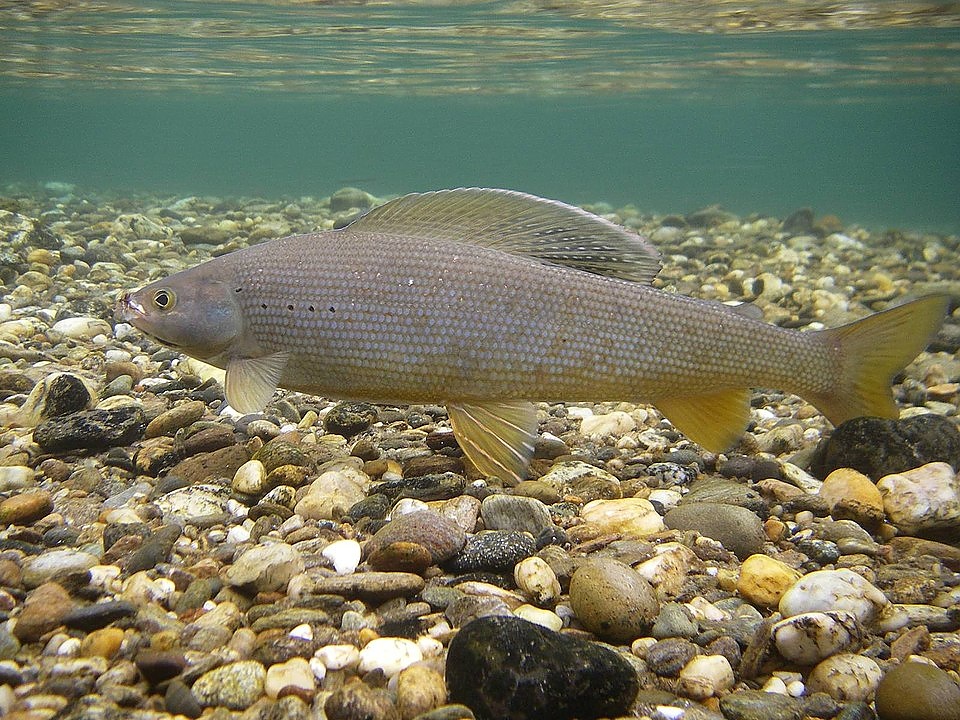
x,y
290,307
263,306
332,308
312,308
239,290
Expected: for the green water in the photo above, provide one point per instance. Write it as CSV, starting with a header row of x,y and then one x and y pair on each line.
x,y
289,100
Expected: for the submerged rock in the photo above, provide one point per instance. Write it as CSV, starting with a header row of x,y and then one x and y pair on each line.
x,y
506,668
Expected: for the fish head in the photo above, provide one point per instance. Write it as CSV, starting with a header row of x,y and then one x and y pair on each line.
x,y
193,311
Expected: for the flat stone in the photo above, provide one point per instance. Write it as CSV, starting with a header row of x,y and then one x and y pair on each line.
x,y
739,530
54,564
265,567
371,586
90,430
99,615
179,416
760,705
493,550
25,508
510,512
505,667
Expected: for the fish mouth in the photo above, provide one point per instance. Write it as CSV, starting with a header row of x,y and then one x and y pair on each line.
x,y
127,309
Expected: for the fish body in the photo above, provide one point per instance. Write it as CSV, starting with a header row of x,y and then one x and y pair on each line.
x,y
487,299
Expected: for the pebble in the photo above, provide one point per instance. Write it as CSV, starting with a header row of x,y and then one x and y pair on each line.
x,y
344,555
705,676
439,536
512,512
851,494
104,642
389,655
250,478
235,686
739,530
90,430
179,416
612,423
582,480
359,701
26,507
925,498
808,638
763,580
634,517
493,550
612,600
917,691
759,705
295,676
545,618
834,590
420,689
43,611
55,564
16,477
846,677
507,667
266,567
537,580
370,586
79,328
333,493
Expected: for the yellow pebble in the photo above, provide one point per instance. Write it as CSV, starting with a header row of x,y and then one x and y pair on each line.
x,y
764,579
102,643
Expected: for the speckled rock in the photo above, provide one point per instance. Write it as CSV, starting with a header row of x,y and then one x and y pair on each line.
x,y
509,512
917,691
582,480
90,430
505,667
738,529
834,590
492,550
350,418
878,447
265,567
612,600
359,701
760,705
235,686
846,677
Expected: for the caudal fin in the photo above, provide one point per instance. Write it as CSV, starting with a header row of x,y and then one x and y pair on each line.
x,y
872,351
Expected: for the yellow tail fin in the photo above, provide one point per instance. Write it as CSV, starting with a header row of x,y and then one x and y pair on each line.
x,y
872,351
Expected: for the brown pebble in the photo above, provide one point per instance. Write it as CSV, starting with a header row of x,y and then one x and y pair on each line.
x,y
442,537
104,642
910,643
10,575
358,701
42,612
114,369
401,557
179,416
55,469
25,507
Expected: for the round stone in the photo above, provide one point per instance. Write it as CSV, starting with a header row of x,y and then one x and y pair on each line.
x,y
738,529
846,677
763,580
808,638
250,478
612,600
537,580
389,654
25,508
513,512
852,495
420,689
705,676
179,416
918,691
235,686
634,517
441,537
833,590
925,498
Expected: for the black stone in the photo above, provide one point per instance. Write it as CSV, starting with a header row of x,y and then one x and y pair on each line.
x,y
443,486
99,615
498,551
823,552
63,536
66,394
155,549
350,418
374,506
505,668
91,430
178,700
878,447
799,222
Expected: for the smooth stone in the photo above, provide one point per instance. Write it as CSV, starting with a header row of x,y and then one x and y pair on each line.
x,y
846,677
26,507
205,466
633,517
852,495
669,656
43,611
104,642
265,567
705,676
513,512
401,557
16,477
537,580
79,328
763,580
55,564
179,416
505,667
760,705
739,530
179,700
349,198
808,638
344,555
440,536
250,478
157,666
603,426
674,620
582,480
545,618
612,600
922,499
235,686
878,447
194,501
333,493
338,657
389,655
99,615
492,550
293,676
917,691
724,491
834,590
90,430
420,689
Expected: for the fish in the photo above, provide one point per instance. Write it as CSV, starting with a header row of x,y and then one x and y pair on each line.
x,y
487,301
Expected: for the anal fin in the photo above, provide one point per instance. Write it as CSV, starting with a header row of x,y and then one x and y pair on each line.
x,y
712,420
251,382
497,437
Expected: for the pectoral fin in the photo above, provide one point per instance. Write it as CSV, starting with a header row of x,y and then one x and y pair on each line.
x,y
251,382
714,421
497,437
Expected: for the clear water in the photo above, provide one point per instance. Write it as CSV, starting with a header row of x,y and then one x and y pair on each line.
x,y
854,112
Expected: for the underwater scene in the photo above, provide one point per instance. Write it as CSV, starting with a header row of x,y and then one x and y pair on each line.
x,y
515,359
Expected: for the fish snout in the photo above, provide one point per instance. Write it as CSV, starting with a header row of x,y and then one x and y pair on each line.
x,y
127,309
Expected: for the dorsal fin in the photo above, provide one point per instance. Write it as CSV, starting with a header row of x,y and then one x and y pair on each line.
x,y
519,224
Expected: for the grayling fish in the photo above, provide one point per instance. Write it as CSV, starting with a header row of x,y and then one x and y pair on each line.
x,y
486,300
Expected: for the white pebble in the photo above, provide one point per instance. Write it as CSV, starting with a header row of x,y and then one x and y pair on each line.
x,y
344,555
808,638
846,677
405,506
705,676
775,685
925,498
69,647
828,590
389,654
302,632
537,579
294,673
429,646
796,689
80,328
544,618
250,478
318,668
338,657
613,423
238,534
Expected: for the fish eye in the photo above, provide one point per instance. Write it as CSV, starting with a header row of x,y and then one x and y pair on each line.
x,y
164,299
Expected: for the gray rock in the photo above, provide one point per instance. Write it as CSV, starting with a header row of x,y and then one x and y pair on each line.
x,y
90,430
736,528
759,705
509,512
265,568
55,564
235,686
613,600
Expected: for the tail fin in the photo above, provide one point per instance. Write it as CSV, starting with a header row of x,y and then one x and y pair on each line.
x,y
872,351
